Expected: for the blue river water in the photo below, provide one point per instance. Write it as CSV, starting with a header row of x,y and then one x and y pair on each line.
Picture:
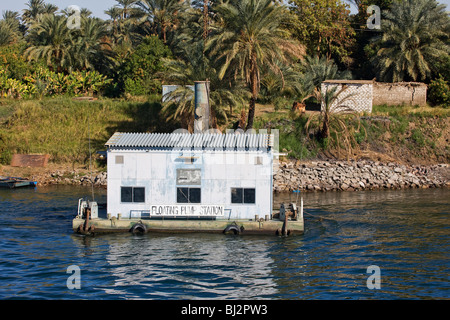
x,y
405,234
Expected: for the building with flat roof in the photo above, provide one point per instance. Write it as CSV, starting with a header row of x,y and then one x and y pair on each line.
x,y
362,95
190,175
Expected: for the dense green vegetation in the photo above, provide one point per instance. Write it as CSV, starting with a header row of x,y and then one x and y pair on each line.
x,y
253,52
63,128
409,134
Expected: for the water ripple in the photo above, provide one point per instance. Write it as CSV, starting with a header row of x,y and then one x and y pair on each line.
x,y
405,233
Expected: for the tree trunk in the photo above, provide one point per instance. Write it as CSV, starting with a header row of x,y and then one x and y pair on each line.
x,y
188,122
164,33
58,62
254,90
213,119
251,113
242,119
325,126
205,19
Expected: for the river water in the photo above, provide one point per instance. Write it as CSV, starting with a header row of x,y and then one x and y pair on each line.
x,y
405,234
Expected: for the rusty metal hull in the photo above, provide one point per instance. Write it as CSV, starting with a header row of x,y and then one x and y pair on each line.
x,y
241,227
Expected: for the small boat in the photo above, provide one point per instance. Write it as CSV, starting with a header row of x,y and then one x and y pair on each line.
x,y
14,182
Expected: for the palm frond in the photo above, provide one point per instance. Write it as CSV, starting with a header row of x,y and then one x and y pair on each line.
x,y
415,33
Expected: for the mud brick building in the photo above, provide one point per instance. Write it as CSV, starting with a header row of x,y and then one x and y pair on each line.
x,y
362,95
410,93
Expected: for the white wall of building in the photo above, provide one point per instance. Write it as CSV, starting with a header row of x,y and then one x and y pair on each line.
x,y
156,170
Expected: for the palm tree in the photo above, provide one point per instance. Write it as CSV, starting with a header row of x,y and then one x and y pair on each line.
x,y
11,16
205,9
415,34
90,48
334,103
248,35
7,34
192,65
49,8
180,104
114,13
205,19
163,15
321,69
303,89
9,28
123,24
36,8
286,80
127,8
84,12
51,40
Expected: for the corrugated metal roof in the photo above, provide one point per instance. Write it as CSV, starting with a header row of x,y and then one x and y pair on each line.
x,y
190,140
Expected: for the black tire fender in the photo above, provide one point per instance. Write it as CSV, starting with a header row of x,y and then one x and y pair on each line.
x,y
233,228
138,228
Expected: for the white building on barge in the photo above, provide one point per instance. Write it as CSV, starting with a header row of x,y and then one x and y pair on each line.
x,y
190,175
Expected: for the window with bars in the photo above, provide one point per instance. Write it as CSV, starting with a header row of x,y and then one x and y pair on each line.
x,y
243,195
132,194
189,195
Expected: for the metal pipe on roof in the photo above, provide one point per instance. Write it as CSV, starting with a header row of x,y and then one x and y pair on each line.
x,y
202,108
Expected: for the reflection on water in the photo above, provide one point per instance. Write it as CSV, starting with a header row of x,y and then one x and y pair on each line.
x,y
191,267
405,233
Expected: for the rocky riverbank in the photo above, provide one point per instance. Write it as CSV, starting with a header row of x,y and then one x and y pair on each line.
x,y
55,174
98,179
288,176
361,175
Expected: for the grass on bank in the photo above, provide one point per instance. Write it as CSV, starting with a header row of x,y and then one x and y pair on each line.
x,y
63,127
389,133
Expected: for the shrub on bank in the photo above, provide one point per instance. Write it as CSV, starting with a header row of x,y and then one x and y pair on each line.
x,y
439,92
43,83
